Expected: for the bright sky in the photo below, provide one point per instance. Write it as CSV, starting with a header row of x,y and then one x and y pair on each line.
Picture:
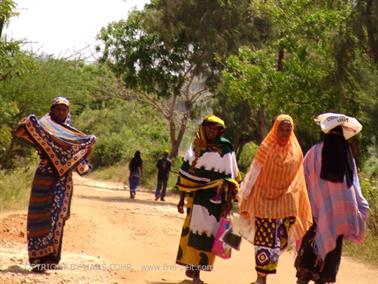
x,y
64,27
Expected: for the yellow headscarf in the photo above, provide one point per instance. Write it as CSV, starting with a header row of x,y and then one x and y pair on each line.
x,y
200,143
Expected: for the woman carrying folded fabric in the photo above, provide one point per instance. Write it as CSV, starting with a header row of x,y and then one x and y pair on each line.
x,y
338,207
208,179
62,149
274,205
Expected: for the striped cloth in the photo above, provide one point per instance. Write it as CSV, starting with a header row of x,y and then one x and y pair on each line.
x,y
64,145
279,190
337,210
62,149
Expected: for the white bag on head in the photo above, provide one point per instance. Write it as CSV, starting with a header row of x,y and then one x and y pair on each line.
x,y
328,121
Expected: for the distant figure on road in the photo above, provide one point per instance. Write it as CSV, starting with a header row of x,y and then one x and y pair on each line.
x,y
338,207
164,167
135,173
62,149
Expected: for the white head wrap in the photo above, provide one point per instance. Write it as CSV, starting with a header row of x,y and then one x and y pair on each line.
x,y
328,121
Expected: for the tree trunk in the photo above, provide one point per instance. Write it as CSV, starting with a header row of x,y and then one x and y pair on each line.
x,y
176,141
239,150
261,123
372,41
175,145
1,27
281,56
172,135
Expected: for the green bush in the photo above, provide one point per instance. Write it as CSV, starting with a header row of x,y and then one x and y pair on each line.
x,y
121,128
15,188
370,166
246,156
109,151
369,190
367,251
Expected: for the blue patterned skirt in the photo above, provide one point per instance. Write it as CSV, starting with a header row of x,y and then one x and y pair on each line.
x,y
49,208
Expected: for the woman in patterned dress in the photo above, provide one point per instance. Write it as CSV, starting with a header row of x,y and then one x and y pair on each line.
x,y
62,149
274,205
208,179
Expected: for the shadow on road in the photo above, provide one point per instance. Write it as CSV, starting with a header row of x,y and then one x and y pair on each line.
x,y
165,282
126,200
16,269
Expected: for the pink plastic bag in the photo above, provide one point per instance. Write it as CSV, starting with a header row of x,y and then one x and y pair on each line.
x,y
220,248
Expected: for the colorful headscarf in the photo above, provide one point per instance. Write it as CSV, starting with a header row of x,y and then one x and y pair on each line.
x,y
211,118
60,101
280,162
200,144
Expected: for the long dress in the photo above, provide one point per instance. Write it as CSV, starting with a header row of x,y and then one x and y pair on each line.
x,y
275,207
62,149
215,169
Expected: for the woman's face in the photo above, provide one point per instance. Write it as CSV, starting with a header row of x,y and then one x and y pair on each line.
x,y
284,130
212,131
60,112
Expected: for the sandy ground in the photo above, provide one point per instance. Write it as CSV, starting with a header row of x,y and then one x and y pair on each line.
x,y
112,239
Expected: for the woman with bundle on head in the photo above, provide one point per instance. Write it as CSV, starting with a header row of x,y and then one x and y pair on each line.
x,y
62,149
338,207
208,179
274,205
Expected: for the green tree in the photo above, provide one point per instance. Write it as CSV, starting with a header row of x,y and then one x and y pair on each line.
x,y
313,62
33,92
164,77
173,61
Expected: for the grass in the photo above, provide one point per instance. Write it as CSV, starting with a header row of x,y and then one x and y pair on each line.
x,y
15,188
367,252
116,173
120,173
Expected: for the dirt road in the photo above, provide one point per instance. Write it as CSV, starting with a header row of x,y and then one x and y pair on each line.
x,y
112,239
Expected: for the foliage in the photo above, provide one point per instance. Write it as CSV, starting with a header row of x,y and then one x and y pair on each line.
x,y
122,127
246,156
12,61
312,63
170,60
33,92
215,29
14,188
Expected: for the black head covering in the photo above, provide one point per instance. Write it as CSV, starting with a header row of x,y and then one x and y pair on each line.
x,y
337,159
136,161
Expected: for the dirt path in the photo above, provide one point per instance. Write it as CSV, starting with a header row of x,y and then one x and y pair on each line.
x,y
112,239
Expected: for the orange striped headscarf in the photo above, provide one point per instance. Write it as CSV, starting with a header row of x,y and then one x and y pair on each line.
x,y
280,161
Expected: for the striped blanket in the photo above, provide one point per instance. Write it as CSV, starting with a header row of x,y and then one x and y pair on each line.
x,y
337,210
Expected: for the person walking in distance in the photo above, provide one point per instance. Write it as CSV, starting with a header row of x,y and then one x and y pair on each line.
x,y
164,166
